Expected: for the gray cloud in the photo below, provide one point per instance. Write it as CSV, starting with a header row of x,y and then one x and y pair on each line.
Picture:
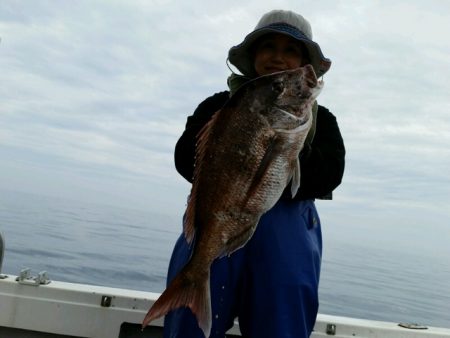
x,y
102,89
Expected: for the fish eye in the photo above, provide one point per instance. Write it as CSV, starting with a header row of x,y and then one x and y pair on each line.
x,y
277,87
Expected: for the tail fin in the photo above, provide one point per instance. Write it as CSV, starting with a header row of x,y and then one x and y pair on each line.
x,y
188,292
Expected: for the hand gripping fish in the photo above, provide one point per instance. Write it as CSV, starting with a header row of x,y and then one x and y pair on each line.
x,y
247,154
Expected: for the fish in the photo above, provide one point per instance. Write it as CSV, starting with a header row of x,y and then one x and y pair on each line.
x,y
246,156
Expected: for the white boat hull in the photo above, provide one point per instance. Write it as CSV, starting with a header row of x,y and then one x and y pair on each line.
x,y
61,309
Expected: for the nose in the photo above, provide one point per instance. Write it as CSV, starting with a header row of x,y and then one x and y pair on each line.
x,y
277,55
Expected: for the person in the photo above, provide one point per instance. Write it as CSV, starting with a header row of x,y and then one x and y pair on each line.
x,y
271,284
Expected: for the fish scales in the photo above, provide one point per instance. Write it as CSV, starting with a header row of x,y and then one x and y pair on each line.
x,y
246,156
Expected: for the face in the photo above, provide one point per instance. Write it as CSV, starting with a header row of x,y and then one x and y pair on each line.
x,y
277,52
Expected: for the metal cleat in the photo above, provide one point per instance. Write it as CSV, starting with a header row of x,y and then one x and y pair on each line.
x,y
25,278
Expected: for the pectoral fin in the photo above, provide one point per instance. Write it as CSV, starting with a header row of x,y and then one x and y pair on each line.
x,y
295,177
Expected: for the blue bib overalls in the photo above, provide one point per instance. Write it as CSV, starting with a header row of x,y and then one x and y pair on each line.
x,y
270,285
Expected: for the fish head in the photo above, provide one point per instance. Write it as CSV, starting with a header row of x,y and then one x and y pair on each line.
x,y
295,90
286,97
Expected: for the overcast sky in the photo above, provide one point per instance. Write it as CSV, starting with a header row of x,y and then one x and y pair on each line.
x,y
94,95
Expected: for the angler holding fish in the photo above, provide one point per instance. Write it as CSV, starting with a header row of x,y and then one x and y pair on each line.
x,y
257,156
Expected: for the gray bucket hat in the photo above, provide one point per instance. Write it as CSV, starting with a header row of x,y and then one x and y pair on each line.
x,y
284,22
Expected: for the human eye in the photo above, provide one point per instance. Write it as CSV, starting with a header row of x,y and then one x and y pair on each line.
x,y
294,49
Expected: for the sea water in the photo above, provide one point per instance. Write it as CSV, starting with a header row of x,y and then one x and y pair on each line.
x,y
119,247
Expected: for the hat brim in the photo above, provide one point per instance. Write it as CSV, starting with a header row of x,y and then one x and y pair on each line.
x,y
240,56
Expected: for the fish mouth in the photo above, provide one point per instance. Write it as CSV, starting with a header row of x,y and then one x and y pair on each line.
x,y
284,111
298,124
301,117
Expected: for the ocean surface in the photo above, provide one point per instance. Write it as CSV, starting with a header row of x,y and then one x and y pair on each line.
x,y
118,247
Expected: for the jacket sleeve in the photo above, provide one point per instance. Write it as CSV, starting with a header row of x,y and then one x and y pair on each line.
x,y
185,147
322,163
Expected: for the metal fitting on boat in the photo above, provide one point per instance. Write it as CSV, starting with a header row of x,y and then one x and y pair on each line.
x,y
331,329
413,326
106,301
26,278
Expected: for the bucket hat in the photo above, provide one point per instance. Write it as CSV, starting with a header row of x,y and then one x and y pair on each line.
x,y
283,22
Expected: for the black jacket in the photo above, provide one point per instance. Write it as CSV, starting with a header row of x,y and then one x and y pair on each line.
x,y
321,162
